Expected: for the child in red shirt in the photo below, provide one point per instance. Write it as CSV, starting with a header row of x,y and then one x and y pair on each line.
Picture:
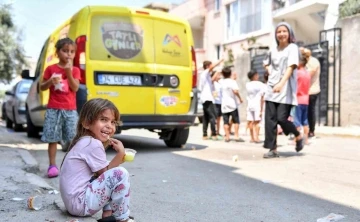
x,y
303,86
62,79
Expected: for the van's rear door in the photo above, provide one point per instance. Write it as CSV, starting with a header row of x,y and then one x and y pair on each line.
x,y
173,66
121,60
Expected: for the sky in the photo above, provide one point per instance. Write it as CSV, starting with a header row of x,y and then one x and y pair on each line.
x,y
38,18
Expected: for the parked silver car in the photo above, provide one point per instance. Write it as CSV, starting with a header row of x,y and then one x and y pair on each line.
x,y
15,106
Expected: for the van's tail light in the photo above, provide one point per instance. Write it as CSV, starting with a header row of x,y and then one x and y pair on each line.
x,y
79,60
194,67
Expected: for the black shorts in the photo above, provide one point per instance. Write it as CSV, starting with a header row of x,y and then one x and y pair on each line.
x,y
218,110
234,117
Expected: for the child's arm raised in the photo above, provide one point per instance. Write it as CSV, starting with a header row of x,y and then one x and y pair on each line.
x,y
73,82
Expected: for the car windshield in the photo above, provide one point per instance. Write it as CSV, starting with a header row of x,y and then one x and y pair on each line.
x,y
24,88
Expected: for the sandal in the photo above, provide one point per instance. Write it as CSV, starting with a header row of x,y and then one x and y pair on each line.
x,y
299,145
53,171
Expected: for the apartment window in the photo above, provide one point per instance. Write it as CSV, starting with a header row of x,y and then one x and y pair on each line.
x,y
218,51
217,5
233,19
245,16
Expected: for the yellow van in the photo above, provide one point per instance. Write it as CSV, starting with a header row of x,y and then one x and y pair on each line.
x,y
142,60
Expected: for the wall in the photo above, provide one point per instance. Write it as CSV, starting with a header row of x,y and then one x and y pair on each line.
x,y
213,31
350,73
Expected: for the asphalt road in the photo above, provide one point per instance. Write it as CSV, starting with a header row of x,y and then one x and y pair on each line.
x,y
202,182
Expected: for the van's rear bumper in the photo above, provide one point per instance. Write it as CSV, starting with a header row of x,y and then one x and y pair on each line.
x,y
157,121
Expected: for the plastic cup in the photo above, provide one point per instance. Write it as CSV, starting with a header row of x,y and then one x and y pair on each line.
x,y
129,155
57,78
34,203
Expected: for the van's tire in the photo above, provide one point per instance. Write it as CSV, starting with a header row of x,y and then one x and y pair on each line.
x,y
17,127
178,138
31,130
64,145
9,123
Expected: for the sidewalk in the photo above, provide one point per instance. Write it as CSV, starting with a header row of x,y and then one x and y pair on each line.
x,y
19,181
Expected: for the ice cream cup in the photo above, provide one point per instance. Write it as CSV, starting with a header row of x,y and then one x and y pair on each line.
x,y
129,155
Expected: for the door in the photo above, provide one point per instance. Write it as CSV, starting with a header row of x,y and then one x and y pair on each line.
x,y
173,67
120,63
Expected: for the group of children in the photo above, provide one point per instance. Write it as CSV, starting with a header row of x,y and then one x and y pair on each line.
x,y
221,98
88,182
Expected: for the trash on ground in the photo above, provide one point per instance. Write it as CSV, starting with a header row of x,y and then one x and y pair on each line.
x,y
193,148
164,181
331,218
235,158
53,192
34,203
73,220
266,181
17,199
38,190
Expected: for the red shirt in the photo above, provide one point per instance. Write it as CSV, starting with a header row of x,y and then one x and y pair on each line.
x,y
303,86
61,95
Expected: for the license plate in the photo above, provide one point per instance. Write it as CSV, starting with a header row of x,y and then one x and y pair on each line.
x,y
121,80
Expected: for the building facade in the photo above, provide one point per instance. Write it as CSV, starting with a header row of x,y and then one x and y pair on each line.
x,y
240,24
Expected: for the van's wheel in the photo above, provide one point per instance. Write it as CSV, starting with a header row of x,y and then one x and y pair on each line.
x,y
178,138
64,145
17,127
31,130
9,123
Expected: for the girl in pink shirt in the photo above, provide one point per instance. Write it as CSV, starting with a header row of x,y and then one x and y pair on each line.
x,y
303,86
88,182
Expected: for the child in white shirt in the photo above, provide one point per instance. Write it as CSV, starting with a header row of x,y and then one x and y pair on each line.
x,y
230,91
255,98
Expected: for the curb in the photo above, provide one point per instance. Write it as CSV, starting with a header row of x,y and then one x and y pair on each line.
x,y
31,165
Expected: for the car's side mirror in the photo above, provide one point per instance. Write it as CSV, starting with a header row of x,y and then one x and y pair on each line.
x,y
9,93
25,74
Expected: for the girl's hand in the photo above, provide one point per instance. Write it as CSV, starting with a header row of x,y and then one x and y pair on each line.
x,y
68,66
55,79
277,88
117,145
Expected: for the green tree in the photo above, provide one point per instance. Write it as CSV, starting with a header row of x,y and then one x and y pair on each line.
x,y
349,8
12,56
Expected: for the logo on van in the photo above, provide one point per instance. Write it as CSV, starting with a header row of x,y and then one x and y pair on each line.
x,y
168,38
123,40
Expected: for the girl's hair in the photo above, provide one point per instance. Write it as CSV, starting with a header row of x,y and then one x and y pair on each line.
x,y
89,113
303,59
62,42
290,31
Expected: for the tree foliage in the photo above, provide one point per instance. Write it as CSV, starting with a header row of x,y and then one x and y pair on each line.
x,y
349,8
12,56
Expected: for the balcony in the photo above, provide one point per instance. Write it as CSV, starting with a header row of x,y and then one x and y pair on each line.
x,y
192,10
291,9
